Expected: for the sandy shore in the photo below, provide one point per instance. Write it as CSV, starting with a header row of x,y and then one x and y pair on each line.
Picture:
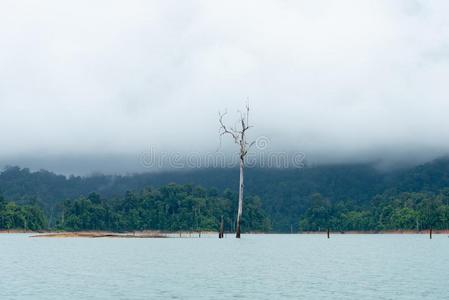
x,y
101,234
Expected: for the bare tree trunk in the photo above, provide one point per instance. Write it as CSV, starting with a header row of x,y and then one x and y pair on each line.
x,y
240,208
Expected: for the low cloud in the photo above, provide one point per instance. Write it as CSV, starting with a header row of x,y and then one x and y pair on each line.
x,y
340,81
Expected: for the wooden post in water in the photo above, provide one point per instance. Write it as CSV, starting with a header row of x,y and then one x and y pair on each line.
x,y
221,233
328,232
430,232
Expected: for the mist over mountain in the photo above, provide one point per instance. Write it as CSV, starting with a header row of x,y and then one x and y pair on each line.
x,y
347,99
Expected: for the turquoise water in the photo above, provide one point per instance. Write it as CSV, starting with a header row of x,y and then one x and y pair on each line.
x,y
255,267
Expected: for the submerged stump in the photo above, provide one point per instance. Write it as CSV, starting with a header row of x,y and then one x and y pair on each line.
x,y
221,232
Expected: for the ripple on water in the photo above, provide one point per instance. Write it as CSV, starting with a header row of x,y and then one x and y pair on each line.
x,y
255,267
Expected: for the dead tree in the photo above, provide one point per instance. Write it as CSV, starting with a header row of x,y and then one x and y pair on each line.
x,y
238,133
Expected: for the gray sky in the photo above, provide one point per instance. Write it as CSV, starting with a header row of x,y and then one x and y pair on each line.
x,y
90,85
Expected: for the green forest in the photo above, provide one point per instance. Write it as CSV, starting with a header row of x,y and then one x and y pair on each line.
x,y
315,198
168,208
13,216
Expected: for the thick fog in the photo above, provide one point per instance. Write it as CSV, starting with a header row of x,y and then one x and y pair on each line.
x,y
91,85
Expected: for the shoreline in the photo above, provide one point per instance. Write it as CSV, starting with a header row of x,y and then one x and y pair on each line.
x,y
99,234
434,231
193,234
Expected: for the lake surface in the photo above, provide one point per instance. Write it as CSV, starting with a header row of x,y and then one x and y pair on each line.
x,y
254,267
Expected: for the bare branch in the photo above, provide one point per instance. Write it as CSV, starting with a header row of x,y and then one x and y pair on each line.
x,y
239,135
251,144
224,130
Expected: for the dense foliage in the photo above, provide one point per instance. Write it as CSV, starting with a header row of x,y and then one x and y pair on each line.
x,y
169,208
404,211
343,197
28,217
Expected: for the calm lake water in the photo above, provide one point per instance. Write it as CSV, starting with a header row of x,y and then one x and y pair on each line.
x,y
255,267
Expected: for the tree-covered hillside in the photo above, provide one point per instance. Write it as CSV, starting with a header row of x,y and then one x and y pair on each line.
x,y
352,196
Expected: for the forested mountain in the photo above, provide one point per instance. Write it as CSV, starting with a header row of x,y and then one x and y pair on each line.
x,y
311,198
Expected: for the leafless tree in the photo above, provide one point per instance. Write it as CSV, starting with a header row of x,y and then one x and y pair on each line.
x,y
239,135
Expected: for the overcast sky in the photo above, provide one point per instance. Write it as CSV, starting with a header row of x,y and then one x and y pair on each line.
x,y
90,85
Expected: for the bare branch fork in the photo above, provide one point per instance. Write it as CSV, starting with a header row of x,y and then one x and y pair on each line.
x,y
238,133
